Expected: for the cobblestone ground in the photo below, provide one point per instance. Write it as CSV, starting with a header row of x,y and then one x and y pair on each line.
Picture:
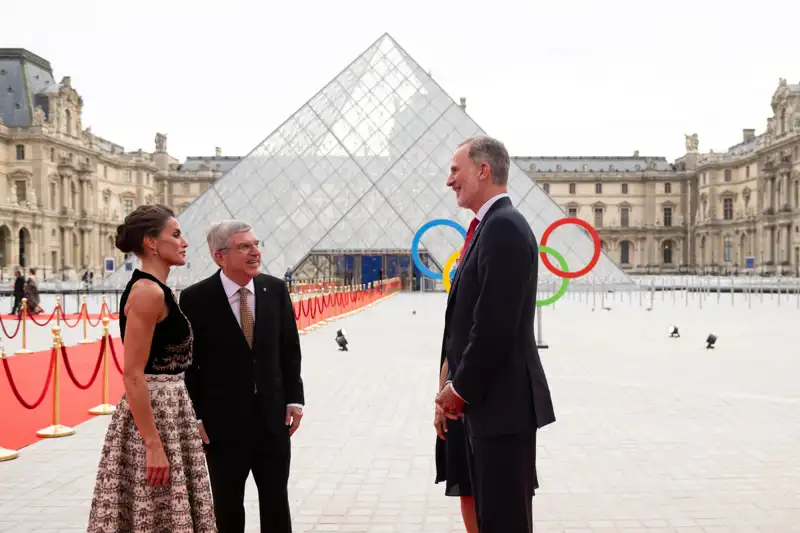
x,y
653,434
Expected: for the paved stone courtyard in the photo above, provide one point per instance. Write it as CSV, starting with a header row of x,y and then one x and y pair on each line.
x,y
653,434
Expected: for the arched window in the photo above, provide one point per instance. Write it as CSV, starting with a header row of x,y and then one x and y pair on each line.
x,y
666,252
625,252
727,249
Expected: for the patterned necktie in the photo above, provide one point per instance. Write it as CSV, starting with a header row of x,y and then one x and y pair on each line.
x,y
246,316
468,239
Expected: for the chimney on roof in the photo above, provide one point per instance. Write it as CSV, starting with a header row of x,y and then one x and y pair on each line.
x,y
218,152
463,104
748,134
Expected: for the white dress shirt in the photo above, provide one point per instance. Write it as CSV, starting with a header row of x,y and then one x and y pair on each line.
x,y
234,299
489,203
232,292
479,215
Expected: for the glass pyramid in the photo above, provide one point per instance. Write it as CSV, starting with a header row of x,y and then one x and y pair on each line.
x,y
361,166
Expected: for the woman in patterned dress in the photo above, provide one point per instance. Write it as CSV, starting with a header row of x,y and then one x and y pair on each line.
x,y
152,476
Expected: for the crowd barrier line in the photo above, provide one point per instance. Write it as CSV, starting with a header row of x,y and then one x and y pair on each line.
x,y
312,310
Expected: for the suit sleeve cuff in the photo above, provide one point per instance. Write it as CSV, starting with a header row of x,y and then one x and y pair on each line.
x,y
456,392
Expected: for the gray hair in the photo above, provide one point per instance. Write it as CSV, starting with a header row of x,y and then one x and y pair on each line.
x,y
220,233
483,149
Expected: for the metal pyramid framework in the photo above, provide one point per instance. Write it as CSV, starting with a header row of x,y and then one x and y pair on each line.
x,y
361,166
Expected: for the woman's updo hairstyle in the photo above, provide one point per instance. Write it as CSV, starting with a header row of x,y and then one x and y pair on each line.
x,y
144,221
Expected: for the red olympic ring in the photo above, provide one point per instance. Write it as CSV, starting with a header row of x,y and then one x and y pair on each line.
x,y
597,248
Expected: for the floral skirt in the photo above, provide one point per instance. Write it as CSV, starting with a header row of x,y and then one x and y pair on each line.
x,y
123,500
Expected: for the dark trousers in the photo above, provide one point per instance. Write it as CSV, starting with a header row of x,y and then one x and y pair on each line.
x,y
503,474
229,464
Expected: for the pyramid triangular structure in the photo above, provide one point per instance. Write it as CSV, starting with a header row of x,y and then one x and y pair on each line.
x,y
361,166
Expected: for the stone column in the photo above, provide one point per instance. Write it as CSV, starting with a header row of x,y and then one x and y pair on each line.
x,y
63,193
84,245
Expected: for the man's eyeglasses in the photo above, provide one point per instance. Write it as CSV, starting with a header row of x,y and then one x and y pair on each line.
x,y
245,247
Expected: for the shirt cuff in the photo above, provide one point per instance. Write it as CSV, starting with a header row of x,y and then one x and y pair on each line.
x,y
300,405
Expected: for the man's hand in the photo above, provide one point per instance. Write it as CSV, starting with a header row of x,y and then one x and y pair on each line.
x,y
293,416
440,422
450,402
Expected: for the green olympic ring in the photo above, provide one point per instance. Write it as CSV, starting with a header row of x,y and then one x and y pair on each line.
x,y
564,281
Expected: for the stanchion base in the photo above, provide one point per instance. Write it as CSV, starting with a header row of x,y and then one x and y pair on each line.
x,y
22,351
7,455
102,409
542,346
86,341
52,432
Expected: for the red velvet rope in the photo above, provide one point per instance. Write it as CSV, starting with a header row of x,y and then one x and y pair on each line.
x,y
99,319
19,323
96,366
20,399
42,323
114,355
64,317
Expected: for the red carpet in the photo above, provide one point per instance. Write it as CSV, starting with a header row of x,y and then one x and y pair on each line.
x,y
18,425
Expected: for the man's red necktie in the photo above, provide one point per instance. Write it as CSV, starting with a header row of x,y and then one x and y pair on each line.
x,y
468,239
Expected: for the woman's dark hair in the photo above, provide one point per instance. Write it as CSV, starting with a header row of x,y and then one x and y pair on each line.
x,y
144,221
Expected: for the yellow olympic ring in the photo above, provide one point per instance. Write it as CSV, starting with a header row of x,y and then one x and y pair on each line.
x,y
448,266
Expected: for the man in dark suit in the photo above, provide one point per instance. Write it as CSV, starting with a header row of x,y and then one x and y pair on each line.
x,y
244,381
19,291
495,376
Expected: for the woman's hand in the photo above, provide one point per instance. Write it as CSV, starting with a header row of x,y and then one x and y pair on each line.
x,y
440,422
157,465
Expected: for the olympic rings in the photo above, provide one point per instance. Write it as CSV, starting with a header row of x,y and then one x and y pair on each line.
x,y
448,267
418,235
447,275
595,257
564,281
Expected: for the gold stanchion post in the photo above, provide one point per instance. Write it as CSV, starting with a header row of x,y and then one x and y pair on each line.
x,y
85,315
56,430
104,408
23,315
5,453
322,312
334,315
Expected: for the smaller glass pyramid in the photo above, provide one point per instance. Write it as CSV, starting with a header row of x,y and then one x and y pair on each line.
x,y
361,166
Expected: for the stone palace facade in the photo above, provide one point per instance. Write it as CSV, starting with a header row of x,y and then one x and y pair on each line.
x,y
705,213
64,190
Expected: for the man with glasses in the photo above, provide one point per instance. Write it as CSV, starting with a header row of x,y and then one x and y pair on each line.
x,y
244,381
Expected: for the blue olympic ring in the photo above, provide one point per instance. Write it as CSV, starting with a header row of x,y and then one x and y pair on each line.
x,y
418,235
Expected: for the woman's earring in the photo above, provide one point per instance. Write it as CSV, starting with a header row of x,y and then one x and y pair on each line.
x,y
155,252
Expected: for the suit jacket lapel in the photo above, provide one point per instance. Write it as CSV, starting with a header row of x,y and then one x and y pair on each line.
x,y
463,260
262,310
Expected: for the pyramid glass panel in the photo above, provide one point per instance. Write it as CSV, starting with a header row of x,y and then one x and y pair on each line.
x,y
360,168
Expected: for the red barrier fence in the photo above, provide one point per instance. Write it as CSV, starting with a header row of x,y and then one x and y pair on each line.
x,y
311,311
58,315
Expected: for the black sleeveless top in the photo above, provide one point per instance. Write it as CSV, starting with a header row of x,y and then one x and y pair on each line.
x,y
171,348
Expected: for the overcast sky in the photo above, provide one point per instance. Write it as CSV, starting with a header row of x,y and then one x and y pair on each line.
x,y
565,77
